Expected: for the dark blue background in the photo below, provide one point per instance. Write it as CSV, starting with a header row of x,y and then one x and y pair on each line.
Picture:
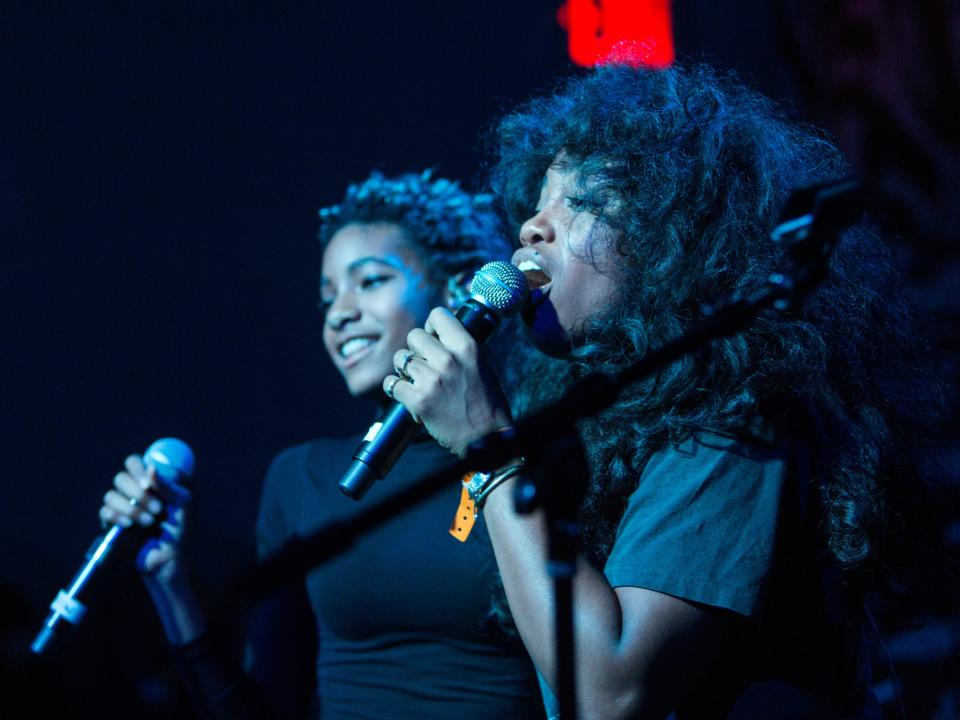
x,y
160,170
162,167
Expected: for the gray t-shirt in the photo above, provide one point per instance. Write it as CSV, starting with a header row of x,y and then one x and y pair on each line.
x,y
732,526
702,523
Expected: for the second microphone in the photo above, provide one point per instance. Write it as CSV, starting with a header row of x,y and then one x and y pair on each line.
x,y
497,290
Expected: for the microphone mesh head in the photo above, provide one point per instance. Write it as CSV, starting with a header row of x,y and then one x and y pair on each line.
x,y
172,458
500,286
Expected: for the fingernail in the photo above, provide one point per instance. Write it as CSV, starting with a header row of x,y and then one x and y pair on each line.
x,y
145,519
154,506
124,521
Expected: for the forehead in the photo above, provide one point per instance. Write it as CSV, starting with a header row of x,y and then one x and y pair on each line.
x,y
356,243
559,177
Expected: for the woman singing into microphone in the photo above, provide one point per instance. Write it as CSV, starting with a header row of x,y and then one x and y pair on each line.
x,y
737,501
402,622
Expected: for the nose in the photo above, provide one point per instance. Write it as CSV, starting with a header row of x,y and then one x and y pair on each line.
x,y
342,310
535,230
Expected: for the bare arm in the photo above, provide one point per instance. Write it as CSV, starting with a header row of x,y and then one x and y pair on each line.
x,y
137,499
638,652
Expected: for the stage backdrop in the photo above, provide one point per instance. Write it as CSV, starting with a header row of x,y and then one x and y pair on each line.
x,y
160,170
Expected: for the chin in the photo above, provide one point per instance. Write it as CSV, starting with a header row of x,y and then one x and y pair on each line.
x,y
365,388
360,383
365,379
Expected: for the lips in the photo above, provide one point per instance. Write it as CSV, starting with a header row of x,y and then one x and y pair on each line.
x,y
537,277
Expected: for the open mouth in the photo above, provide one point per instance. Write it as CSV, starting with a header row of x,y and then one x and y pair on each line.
x,y
537,279
355,347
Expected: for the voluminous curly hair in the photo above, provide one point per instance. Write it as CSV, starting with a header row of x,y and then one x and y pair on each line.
x,y
456,231
693,168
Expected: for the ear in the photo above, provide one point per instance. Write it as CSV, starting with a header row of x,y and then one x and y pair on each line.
x,y
457,291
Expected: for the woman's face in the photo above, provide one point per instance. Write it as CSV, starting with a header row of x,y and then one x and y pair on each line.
x,y
375,288
569,259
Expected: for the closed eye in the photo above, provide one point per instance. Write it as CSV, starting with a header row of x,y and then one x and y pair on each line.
x,y
370,282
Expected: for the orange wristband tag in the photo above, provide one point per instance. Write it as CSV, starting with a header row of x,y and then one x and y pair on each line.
x,y
465,518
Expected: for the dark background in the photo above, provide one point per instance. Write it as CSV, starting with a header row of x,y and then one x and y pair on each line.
x,y
160,170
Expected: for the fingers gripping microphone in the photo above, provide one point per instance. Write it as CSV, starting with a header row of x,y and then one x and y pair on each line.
x,y
497,290
173,460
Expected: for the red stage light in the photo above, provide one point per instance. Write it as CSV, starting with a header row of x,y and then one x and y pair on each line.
x,y
633,32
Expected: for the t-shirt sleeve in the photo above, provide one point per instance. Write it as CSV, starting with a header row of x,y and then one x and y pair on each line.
x,y
702,524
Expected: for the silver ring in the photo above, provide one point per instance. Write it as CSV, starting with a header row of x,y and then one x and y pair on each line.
x,y
389,388
134,502
402,370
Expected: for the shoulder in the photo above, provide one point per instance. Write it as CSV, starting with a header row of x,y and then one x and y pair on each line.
x,y
298,483
715,455
703,521
309,460
713,473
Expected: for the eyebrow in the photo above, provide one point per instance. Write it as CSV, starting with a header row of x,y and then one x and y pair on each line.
x,y
387,260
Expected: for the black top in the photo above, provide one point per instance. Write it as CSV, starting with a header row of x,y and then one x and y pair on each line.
x,y
403,618
730,525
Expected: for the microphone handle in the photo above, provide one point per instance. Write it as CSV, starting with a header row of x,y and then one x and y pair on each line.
x,y
386,440
379,451
67,606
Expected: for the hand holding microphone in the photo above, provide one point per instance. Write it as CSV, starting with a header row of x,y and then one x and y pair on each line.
x,y
445,385
497,290
151,491
142,497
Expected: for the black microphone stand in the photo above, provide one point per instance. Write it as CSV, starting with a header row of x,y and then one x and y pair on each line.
x,y
561,503
809,229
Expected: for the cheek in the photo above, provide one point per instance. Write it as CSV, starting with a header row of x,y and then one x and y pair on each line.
x,y
328,340
399,323
418,302
599,294
592,272
409,310
587,293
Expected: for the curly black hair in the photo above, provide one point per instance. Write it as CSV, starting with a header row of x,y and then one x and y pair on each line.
x,y
456,231
698,167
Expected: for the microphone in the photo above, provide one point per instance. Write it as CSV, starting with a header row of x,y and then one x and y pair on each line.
x,y
497,290
173,460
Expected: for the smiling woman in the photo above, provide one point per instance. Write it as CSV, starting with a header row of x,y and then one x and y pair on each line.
x,y
375,288
396,634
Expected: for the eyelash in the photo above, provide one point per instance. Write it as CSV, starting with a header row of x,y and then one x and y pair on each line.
x,y
366,283
373,281
576,203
